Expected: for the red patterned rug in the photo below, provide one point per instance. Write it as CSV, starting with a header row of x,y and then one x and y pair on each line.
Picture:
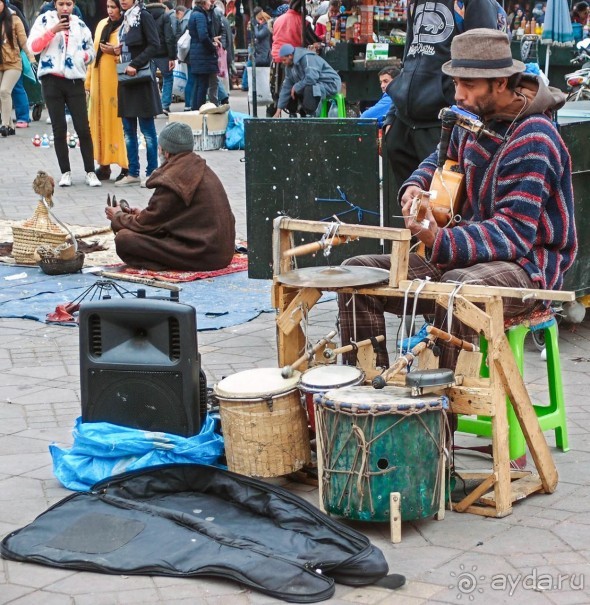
x,y
239,263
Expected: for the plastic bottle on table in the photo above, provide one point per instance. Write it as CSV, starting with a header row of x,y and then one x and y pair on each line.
x,y
335,29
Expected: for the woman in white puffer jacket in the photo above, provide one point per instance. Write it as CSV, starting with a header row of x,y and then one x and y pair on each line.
x,y
65,46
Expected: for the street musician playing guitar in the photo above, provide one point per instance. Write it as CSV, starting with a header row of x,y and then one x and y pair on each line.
x,y
515,224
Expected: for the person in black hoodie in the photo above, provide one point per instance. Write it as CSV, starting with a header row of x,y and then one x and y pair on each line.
x,y
412,128
164,60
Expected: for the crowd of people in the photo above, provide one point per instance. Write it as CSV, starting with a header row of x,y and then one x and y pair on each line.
x,y
86,77
135,39
519,13
106,85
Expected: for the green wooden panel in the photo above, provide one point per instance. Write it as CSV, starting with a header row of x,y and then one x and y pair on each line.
x,y
290,163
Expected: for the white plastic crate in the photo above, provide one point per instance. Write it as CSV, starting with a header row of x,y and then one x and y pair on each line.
x,y
207,140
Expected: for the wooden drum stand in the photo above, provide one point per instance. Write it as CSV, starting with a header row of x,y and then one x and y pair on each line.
x,y
500,487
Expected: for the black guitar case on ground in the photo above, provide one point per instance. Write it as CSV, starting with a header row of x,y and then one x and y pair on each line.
x,y
191,520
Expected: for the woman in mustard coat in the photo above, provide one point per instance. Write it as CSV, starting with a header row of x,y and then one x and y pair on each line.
x,y
101,84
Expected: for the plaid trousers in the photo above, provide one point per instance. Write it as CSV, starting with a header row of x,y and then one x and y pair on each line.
x,y
364,317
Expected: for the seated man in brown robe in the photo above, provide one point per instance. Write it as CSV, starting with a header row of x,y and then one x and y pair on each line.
x,y
188,224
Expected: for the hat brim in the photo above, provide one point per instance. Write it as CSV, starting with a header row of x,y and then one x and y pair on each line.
x,y
517,67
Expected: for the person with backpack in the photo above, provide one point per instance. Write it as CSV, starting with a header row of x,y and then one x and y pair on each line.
x,y
203,51
412,127
166,56
226,54
183,16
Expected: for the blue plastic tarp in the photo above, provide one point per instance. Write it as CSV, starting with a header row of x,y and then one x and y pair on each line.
x,y
101,450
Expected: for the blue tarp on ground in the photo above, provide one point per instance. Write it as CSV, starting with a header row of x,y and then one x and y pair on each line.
x,y
101,450
220,302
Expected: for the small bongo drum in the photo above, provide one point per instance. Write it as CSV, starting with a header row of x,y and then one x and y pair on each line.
x,y
264,424
371,443
324,378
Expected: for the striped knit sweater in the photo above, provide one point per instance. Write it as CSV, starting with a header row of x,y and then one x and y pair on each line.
x,y
519,202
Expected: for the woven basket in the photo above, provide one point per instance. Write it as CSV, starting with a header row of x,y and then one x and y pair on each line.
x,y
39,230
59,266
260,442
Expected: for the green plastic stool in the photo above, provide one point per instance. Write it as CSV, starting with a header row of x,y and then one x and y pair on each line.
x,y
552,416
340,101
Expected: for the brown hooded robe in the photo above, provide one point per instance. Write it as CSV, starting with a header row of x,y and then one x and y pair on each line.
x,y
188,224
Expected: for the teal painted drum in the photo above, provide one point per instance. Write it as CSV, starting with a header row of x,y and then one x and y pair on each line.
x,y
373,442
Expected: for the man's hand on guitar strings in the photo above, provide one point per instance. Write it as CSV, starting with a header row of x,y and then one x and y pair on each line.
x,y
425,230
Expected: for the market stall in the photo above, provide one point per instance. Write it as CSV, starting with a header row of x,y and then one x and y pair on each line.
x,y
361,42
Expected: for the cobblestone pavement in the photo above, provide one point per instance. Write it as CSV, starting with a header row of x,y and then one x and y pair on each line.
x,y
539,554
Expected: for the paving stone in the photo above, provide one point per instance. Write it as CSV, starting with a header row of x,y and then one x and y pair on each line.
x,y
11,593
369,595
43,596
525,540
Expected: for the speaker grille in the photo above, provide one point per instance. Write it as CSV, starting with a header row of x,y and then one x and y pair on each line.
x,y
95,335
174,335
139,365
151,401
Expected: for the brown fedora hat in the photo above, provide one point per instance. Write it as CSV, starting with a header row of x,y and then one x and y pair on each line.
x,y
482,53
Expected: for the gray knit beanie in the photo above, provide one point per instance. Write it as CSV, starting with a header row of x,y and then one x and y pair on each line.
x,y
176,137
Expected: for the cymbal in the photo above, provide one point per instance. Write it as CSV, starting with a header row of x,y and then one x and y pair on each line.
x,y
333,277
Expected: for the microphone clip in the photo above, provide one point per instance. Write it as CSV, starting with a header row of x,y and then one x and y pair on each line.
x,y
468,121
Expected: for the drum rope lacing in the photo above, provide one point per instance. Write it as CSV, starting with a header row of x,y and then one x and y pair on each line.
x,y
363,474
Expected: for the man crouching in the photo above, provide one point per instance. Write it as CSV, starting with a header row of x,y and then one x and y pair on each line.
x,y
188,224
308,80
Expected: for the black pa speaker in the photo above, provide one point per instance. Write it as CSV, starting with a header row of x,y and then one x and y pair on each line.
x,y
140,366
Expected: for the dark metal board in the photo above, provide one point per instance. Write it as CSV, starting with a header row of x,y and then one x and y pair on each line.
x,y
292,164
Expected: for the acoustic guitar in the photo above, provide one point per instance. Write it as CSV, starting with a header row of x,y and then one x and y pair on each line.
x,y
444,196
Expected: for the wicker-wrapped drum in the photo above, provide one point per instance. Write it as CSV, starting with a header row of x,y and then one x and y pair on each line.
x,y
264,423
39,230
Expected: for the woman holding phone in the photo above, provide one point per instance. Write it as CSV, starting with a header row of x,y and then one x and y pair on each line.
x,y
64,44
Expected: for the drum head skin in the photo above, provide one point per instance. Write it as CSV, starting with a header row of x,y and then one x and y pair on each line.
x,y
256,383
334,277
326,377
367,399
